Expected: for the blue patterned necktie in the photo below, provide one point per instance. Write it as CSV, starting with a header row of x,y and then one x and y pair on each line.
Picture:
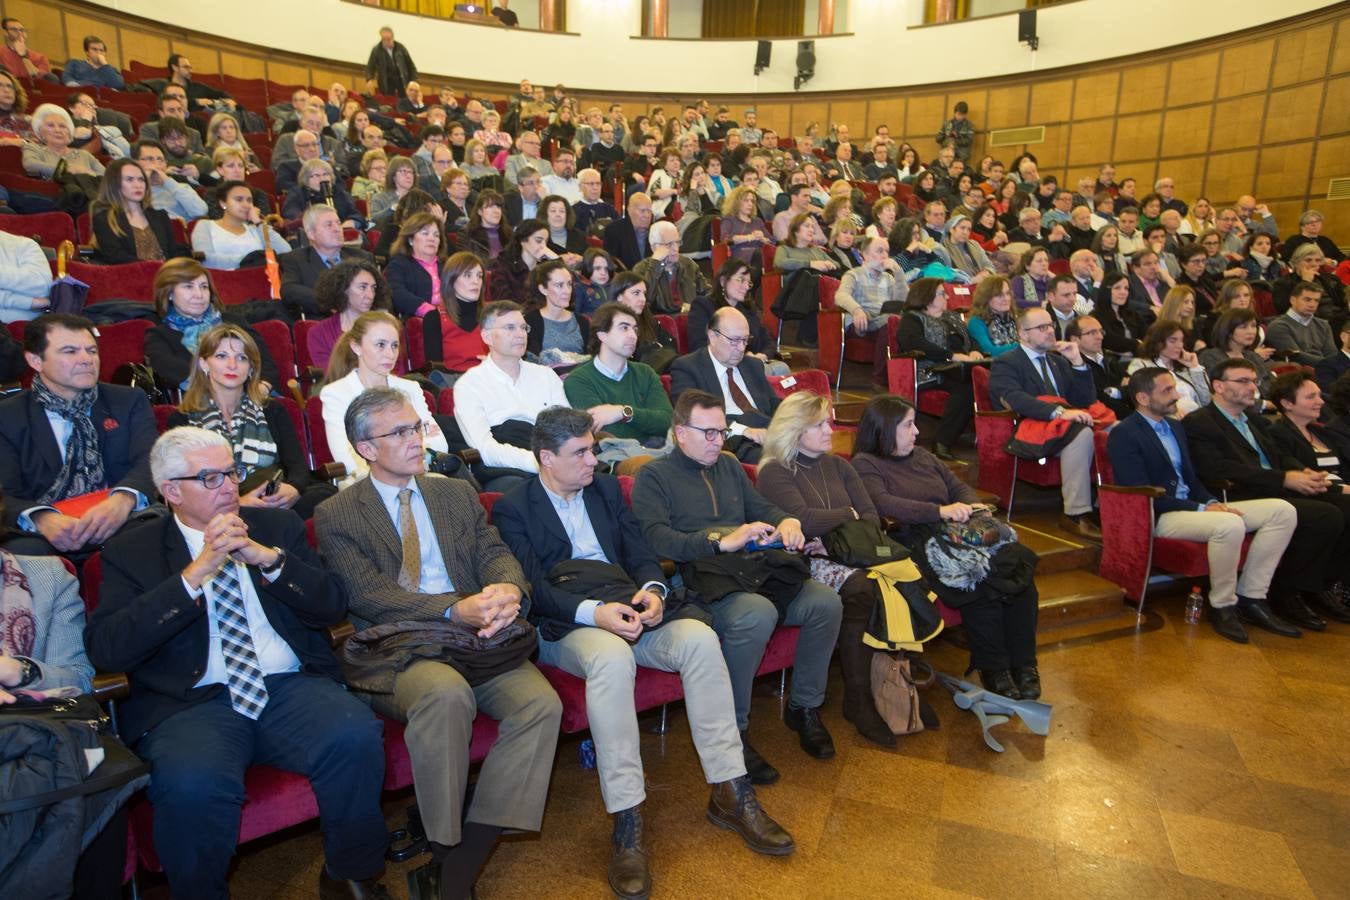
x,y
243,674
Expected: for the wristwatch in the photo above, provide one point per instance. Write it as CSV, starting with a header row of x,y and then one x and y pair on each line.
x,y
276,566
715,538
628,413
28,672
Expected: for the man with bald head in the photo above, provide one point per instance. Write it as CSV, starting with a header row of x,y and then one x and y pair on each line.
x,y
673,281
1256,217
315,121
626,238
591,206
726,370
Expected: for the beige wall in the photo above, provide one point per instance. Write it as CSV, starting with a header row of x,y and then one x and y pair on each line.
x,y
1263,111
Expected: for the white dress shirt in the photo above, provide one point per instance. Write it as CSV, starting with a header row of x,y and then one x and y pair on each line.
x,y
275,656
486,396
339,395
732,408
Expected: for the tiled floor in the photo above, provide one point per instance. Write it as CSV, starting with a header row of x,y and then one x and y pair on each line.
x,y
1178,765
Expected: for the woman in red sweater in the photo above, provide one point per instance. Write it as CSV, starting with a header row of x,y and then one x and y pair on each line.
x,y
462,345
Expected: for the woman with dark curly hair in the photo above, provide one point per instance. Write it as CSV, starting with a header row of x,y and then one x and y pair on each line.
x,y
344,292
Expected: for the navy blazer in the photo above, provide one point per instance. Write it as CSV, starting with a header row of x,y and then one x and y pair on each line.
x,y
530,526
30,458
1015,383
1331,368
409,284
1139,458
621,242
148,626
696,370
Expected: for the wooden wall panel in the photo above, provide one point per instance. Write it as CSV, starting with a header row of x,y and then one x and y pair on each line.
x,y
143,46
1340,54
889,112
1187,174
1238,122
1284,170
1245,69
1192,79
777,116
1141,88
1053,149
1144,173
1292,114
1302,55
1137,136
241,66
1187,130
923,119
203,59
1096,95
1332,160
1091,142
43,21
852,113
1051,101
802,113
1336,108
1007,107
78,27
287,73
1229,175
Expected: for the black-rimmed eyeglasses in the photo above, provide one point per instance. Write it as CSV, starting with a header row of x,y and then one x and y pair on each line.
x,y
213,479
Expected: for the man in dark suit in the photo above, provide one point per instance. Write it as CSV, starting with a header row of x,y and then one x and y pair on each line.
x,y
71,436
1231,442
1107,369
411,547
1333,367
12,363
626,238
1061,299
725,370
569,514
591,206
1150,448
1042,366
301,268
524,203
1147,288
217,614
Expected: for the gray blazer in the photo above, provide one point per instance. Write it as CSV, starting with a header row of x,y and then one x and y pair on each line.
x,y
59,646
360,544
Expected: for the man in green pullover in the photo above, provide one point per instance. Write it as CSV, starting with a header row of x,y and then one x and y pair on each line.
x,y
624,398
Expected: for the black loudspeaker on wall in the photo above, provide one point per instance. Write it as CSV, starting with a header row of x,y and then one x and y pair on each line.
x,y
806,63
1026,28
762,51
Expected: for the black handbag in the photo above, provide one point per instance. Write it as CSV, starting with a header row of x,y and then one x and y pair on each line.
x,y
862,544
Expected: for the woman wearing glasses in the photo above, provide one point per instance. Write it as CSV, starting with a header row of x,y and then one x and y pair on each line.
x,y
225,395
732,288
364,358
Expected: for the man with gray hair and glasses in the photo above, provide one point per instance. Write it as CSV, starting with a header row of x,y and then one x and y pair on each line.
x,y
415,548
218,615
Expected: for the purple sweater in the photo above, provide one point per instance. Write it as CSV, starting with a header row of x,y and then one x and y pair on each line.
x,y
819,492
910,489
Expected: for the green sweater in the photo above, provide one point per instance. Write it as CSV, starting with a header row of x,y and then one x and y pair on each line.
x,y
640,388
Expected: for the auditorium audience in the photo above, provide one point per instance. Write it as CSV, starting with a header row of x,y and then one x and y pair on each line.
x,y
226,242
656,346
324,249
25,286
927,327
414,269
1300,330
732,288
1163,347
346,291
742,227
55,130
1310,232
1305,266
674,281
1236,334
167,193
992,324
125,227
558,337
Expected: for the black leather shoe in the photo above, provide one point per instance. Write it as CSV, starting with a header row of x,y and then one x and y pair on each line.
x,y
1293,609
1225,622
928,716
942,451
629,875
1000,682
815,739
1028,682
756,766
733,805
1258,613
1329,605
331,888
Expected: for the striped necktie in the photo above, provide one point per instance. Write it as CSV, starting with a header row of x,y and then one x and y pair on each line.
x,y
243,674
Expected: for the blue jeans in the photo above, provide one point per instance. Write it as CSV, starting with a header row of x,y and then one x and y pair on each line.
x,y
310,726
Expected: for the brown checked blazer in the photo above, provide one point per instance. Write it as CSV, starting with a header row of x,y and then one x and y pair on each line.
x,y
359,542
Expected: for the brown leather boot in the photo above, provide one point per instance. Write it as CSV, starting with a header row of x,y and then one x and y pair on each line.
x,y
629,875
331,888
733,805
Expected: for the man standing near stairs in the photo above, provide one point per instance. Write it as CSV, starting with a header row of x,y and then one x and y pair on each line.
x,y
1150,448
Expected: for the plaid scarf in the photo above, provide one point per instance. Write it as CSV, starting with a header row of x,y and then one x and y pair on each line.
x,y
247,431
82,467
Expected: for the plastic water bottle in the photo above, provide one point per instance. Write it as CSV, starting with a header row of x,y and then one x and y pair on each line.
x,y
586,752
1195,603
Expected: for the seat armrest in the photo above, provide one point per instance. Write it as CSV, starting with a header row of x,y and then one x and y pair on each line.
x,y
1143,490
469,455
338,634
329,471
889,523
668,568
110,686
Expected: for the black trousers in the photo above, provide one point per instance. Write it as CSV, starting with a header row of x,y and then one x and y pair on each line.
x,y
957,411
1002,631
1318,554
